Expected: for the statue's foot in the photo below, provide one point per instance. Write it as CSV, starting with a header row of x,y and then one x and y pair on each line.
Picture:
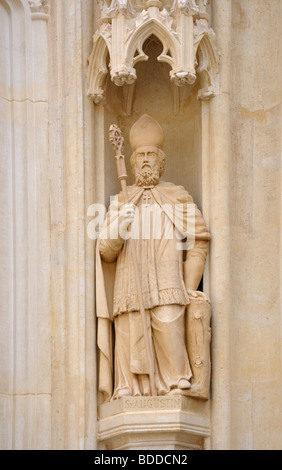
x,y
183,388
184,384
124,392
179,391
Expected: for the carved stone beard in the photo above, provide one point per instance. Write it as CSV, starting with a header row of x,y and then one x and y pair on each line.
x,y
147,176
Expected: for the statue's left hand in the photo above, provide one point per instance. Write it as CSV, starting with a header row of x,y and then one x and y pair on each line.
x,y
196,294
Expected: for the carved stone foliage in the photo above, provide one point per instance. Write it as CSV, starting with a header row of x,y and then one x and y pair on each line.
x,y
39,6
180,25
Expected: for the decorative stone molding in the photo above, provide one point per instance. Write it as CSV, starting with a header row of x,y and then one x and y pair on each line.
x,y
175,423
180,25
188,7
39,9
207,59
121,6
38,6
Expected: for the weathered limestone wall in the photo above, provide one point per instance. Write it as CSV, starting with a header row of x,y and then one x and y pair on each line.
x,y
255,222
245,258
25,353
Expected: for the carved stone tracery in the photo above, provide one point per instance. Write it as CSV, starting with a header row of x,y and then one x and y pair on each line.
x,y
180,25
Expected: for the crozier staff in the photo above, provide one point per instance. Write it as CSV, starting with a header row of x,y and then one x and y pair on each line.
x,y
128,211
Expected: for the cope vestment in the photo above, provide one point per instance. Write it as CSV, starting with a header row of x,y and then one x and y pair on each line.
x,y
159,248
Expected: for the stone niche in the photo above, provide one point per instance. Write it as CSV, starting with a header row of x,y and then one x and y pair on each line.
x,y
177,109
151,88
171,75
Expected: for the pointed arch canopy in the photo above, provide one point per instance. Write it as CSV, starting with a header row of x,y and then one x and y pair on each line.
x,y
98,69
152,27
188,48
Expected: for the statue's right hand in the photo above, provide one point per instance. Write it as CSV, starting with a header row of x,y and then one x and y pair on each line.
x,y
126,217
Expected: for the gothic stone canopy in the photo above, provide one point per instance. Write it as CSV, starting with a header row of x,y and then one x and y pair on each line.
x,y
180,25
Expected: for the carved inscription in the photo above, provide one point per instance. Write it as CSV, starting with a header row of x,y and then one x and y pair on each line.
x,y
156,403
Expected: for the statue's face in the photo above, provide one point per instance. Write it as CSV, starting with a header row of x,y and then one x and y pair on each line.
x,y
147,166
147,157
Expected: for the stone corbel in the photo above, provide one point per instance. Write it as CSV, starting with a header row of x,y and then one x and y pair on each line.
x,y
207,59
39,9
188,43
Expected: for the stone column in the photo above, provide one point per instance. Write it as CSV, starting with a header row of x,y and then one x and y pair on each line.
x,y
219,260
25,385
72,253
47,348
255,193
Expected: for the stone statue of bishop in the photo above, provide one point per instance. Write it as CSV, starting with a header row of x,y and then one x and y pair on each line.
x,y
171,241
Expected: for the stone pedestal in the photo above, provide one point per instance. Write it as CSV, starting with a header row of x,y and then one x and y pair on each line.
x,y
153,423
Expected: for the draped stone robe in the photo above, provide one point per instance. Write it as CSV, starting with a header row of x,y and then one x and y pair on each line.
x,y
166,221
